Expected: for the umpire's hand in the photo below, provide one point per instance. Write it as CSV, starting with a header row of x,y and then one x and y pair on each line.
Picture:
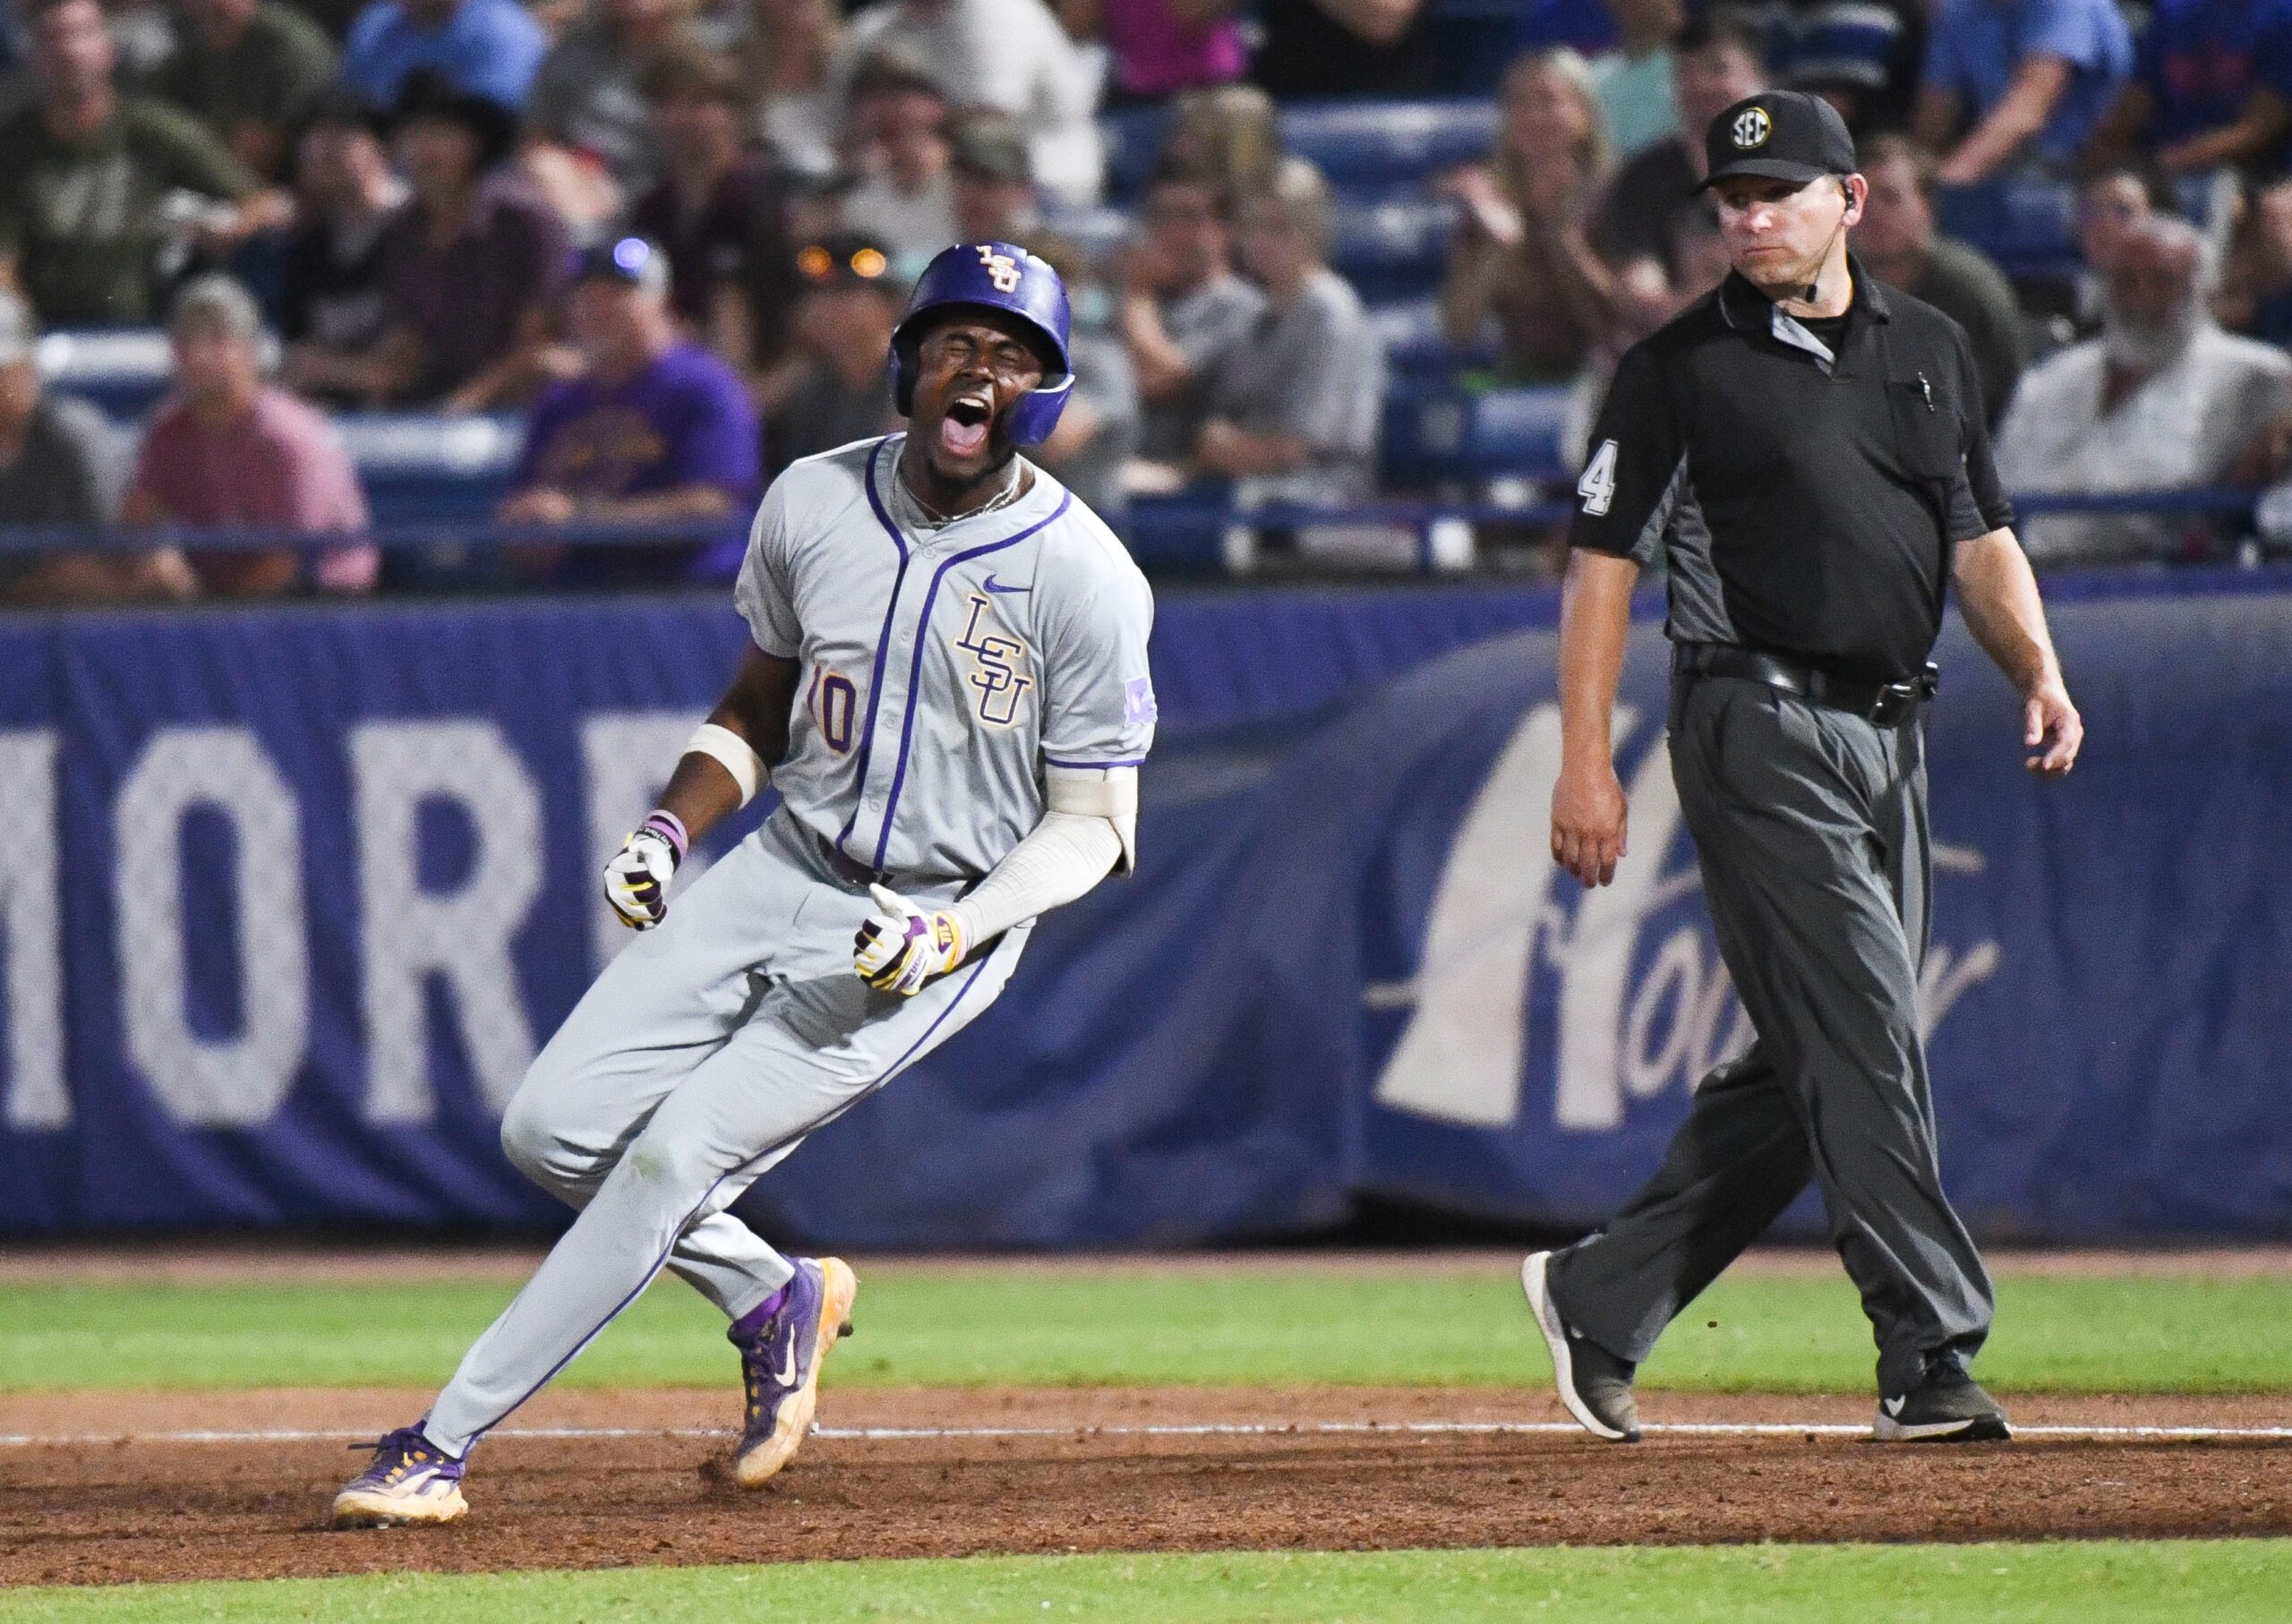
x,y
2050,727
1587,820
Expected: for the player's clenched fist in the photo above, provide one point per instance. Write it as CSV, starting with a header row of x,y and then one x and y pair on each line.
x,y
901,946
637,880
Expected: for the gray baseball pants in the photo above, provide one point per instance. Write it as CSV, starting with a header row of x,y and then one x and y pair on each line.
x,y
702,1055
1810,829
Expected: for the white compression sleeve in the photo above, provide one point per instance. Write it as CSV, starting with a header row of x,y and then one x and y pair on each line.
x,y
1067,854
1107,792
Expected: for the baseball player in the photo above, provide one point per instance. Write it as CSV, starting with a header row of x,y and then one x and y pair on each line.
x,y
949,690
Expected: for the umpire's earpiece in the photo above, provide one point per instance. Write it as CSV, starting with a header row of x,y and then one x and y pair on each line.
x,y
1845,221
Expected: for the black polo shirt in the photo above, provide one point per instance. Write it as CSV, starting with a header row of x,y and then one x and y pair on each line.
x,y
1807,498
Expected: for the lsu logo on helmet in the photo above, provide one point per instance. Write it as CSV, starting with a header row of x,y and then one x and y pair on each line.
x,y
1002,269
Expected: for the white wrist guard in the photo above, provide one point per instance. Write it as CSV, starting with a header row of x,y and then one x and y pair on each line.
x,y
732,752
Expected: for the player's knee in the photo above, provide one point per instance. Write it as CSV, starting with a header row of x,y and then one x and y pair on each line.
x,y
537,1139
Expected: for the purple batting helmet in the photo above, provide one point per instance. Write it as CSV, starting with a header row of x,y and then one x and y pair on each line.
x,y
991,276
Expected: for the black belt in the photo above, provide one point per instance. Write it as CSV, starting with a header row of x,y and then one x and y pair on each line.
x,y
854,872
1886,704
850,870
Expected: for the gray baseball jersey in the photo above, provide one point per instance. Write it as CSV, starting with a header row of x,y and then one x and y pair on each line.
x,y
943,672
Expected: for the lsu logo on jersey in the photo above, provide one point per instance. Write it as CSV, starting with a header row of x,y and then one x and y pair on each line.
x,y
1002,269
997,662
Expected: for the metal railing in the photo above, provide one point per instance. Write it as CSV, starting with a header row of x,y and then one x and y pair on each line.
x,y
1446,528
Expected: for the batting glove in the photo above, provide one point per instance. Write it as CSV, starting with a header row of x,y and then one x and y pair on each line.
x,y
637,880
901,946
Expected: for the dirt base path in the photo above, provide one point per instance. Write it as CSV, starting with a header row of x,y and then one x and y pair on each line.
x,y
112,1492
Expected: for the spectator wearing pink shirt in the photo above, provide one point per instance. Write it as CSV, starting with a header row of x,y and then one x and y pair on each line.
x,y
228,450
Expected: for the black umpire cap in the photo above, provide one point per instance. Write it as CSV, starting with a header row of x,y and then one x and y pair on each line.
x,y
1780,135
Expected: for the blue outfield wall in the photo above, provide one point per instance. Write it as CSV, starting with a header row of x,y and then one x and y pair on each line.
x,y
296,893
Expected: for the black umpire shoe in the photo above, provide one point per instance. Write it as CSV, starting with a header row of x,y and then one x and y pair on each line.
x,y
1948,1406
1593,1383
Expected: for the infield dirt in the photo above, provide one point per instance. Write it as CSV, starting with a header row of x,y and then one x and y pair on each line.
x,y
107,1502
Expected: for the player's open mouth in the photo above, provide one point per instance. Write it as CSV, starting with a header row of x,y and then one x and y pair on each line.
x,y
963,430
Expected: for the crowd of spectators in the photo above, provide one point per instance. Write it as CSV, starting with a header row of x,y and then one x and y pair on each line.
x,y
2163,365
672,237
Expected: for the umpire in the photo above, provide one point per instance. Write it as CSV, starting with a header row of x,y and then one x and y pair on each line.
x,y
1810,449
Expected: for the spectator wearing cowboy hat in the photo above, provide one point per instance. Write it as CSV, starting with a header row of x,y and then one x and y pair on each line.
x,y
469,268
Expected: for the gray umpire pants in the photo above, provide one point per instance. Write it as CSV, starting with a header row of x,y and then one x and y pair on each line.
x,y
1810,829
697,1061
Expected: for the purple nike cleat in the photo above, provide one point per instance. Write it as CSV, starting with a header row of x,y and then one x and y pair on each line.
x,y
780,1364
411,1481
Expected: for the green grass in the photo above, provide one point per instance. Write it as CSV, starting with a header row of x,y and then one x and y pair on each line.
x,y
1080,1324
2210,1583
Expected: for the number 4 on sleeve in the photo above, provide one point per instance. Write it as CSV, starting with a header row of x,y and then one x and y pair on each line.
x,y
1598,487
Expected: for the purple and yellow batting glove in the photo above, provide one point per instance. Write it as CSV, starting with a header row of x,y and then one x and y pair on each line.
x,y
901,946
637,880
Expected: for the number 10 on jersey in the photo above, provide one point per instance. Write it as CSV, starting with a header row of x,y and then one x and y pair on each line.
x,y
834,702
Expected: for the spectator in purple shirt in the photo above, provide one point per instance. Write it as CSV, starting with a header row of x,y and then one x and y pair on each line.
x,y
654,431
2212,85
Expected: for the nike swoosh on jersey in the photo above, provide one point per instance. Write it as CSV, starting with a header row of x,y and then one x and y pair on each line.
x,y
1000,589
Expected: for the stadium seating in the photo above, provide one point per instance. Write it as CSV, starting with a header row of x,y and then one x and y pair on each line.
x,y
1359,144
421,469
1434,432
1362,147
125,372
1417,348
1393,250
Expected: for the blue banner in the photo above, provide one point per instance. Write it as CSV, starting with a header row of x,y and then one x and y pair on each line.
x,y
297,892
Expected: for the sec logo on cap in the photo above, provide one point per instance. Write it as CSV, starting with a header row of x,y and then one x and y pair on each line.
x,y
1752,127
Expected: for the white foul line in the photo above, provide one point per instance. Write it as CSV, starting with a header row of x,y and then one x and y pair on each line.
x,y
1276,1429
